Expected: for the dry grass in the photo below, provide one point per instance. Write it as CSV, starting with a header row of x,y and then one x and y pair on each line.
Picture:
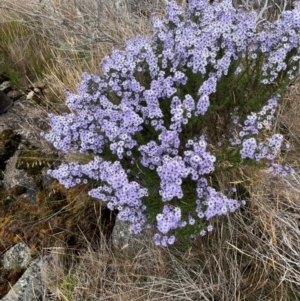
x,y
57,40
253,254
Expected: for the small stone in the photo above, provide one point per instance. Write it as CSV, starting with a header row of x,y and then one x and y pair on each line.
x,y
37,90
17,257
30,95
4,86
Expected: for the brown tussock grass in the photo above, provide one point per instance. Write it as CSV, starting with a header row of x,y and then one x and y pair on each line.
x,y
70,38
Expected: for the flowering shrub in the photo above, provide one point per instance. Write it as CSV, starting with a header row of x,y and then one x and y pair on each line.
x,y
172,109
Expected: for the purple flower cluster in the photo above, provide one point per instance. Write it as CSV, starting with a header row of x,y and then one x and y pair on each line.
x,y
139,110
277,169
262,150
277,40
171,173
216,203
116,190
201,161
251,147
90,129
168,220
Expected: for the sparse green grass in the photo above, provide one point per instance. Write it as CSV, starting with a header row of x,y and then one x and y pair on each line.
x,y
253,254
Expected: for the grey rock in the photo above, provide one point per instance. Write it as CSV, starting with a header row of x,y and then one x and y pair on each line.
x,y
15,94
6,103
128,243
13,177
17,257
28,121
5,86
29,287
30,95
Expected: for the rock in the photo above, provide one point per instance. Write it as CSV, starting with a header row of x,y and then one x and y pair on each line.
x,y
125,241
15,94
7,279
28,121
30,95
37,90
17,257
13,177
5,86
29,287
5,103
